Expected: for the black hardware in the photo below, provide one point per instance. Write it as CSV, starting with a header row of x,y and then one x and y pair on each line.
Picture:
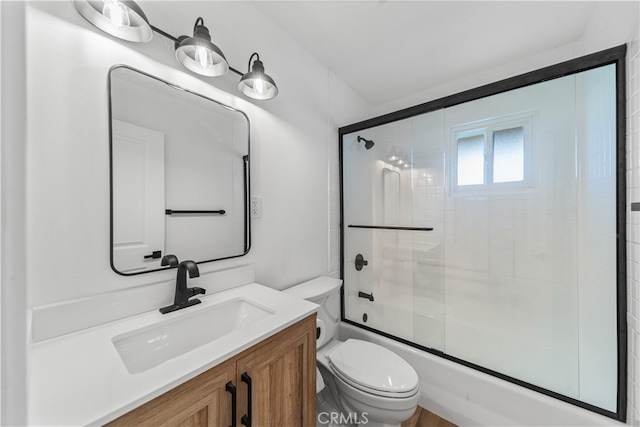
x,y
153,255
368,144
250,58
246,418
191,212
162,33
229,387
182,295
388,227
318,333
171,260
247,191
360,262
366,296
635,206
365,318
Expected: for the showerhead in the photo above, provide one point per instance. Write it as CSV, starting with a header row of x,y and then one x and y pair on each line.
x,y
368,144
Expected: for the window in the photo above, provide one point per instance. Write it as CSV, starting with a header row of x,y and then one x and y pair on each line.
x,y
471,160
508,155
495,154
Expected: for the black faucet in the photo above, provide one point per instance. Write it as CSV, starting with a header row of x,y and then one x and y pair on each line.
x,y
183,293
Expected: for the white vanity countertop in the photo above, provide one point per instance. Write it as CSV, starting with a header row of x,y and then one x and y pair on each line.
x,y
80,379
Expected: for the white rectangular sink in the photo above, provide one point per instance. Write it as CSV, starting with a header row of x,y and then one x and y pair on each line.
x,y
147,347
111,368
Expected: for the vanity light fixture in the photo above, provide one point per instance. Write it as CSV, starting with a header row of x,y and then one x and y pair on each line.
x,y
126,20
199,54
256,83
123,19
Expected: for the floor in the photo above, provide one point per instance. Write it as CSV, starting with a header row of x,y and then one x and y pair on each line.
x,y
424,418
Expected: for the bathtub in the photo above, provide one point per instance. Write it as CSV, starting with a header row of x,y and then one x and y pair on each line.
x,y
468,397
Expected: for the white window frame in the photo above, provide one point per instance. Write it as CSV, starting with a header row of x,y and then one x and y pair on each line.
x,y
486,128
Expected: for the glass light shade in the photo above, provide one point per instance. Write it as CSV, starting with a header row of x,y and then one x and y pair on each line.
x,y
257,84
117,13
123,19
199,55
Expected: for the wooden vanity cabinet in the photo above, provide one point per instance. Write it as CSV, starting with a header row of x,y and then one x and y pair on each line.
x,y
276,375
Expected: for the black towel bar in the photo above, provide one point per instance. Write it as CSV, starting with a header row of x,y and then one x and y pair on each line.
x,y
174,212
388,227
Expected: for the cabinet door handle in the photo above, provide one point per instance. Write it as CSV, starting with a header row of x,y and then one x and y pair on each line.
x,y
232,389
246,419
154,255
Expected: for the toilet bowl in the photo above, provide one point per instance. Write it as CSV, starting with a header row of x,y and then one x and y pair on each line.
x,y
375,386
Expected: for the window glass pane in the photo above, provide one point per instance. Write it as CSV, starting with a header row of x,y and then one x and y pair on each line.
x,y
508,155
471,160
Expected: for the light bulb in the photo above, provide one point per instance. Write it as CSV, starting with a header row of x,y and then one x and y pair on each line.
x,y
203,57
259,86
117,13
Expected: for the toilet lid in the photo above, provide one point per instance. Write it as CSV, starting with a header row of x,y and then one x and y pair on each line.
x,y
373,367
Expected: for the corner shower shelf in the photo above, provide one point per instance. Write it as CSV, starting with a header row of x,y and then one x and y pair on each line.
x,y
388,227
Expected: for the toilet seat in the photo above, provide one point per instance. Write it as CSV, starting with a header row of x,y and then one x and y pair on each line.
x,y
373,369
371,391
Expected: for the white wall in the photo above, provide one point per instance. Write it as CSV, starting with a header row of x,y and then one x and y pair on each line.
x,y
67,180
633,232
13,371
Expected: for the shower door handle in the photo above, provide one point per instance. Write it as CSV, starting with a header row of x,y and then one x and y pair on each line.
x,y
360,262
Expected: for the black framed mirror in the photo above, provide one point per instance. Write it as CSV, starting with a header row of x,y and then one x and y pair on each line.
x,y
179,174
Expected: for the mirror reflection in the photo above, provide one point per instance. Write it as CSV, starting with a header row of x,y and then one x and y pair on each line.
x,y
179,174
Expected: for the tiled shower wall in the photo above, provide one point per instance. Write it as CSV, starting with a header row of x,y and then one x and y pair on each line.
x,y
633,232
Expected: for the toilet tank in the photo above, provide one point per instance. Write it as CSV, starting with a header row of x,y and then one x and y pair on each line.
x,y
324,291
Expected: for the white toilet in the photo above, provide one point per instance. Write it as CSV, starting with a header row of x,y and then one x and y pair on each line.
x,y
373,382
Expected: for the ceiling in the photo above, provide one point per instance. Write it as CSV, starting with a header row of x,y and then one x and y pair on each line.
x,y
386,50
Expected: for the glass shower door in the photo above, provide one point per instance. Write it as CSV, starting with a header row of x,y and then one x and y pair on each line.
x,y
393,220
486,232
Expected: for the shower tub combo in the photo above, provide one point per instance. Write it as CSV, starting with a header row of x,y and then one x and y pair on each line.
x,y
483,240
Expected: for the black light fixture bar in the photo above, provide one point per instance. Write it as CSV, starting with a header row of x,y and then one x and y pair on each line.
x,y
235,71
164,34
